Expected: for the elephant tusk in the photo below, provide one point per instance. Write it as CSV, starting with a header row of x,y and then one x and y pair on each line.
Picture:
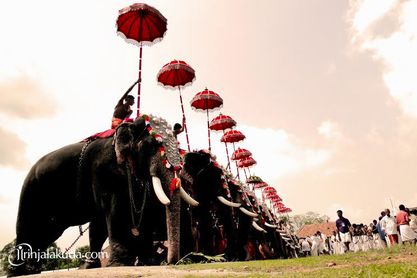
x,y
248,213
227,203
257,227
187,198
159,191
270,225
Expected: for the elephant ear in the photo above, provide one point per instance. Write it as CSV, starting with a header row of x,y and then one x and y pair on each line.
x,y
123,141
164,130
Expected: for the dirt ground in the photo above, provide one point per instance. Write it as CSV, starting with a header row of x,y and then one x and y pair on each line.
x,y
332,266
143,271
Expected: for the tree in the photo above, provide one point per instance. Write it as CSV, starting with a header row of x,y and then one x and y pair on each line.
x,y
82,250
53,262
4,256
310,217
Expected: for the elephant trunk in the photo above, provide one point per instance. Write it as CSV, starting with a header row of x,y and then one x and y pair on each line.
x,y
173,227
161,178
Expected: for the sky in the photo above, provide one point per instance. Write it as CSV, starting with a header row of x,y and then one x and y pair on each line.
x,y
325,91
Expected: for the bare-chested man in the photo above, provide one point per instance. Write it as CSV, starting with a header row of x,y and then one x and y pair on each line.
x,y
122,109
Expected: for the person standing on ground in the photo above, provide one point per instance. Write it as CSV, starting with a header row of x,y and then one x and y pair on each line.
x,y
403,221
380,232
343,225
389,227
413,220
305,247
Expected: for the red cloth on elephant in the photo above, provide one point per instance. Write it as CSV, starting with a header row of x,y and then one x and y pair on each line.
x,y
103,134
110,132
115,122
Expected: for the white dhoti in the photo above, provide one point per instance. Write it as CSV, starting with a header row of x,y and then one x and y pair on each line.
x,y
357,243
407,233
314,249
345,237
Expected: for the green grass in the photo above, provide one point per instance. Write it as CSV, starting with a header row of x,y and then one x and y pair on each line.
x,y
400,261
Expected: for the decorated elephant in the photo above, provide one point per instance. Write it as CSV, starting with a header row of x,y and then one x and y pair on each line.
x,y
221,225
124,185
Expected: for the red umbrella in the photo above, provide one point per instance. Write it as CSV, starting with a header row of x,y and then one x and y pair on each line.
x,y
270,195
284,210
140,23
176,74
240,154
222,122
274,198
279,205
254,179
232,136
260,185
269,189
246,163
207,100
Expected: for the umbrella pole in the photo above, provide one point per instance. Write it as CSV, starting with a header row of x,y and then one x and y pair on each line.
x,y
140,80
208,129
237,168
185,122
227,154
249,172
246,176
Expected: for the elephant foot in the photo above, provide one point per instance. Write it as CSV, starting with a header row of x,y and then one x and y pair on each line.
x,y
120,256
90,264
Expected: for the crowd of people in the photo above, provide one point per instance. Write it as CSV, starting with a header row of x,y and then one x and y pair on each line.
x,y
387,231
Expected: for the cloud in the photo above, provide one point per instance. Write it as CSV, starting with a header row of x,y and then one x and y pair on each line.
x,y
396,51
12,150
23,97
277,152
360,177
365,13
330,130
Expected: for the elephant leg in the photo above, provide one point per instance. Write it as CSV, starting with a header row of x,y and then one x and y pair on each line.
x,y
36,229
119,225
97,237
145,240
36,237
231,235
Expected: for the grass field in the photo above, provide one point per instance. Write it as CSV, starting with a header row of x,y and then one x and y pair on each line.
x,y
400,261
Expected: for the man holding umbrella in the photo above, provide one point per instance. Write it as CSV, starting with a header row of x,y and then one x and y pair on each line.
x,y
178,128
122,109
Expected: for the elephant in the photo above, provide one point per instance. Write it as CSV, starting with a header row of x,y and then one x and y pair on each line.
x,y
122,185
222,226
229,214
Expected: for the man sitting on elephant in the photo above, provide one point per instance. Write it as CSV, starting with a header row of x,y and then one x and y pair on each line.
x,y
122,109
